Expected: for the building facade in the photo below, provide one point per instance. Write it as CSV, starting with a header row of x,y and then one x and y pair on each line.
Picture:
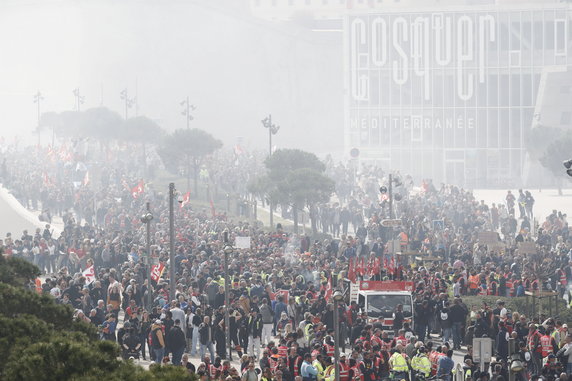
x,y
452,93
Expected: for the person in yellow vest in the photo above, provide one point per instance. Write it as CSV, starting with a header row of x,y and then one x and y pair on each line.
x,y
398,365
330,371
420,364
319,367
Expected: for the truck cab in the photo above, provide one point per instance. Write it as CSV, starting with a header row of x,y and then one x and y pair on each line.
x,y
378,300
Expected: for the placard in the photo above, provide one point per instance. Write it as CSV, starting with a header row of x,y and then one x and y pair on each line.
x,y
242,242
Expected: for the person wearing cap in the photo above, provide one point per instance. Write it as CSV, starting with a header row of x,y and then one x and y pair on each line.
x,y
157,341
552,369
254,333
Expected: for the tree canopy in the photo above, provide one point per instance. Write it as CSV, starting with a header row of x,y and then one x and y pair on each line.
x,y
40,340
102,124
187,148
295,178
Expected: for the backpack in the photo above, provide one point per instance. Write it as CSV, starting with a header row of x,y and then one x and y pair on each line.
x,y
444,315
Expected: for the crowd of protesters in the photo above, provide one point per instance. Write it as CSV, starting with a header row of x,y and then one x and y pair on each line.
x,y
281,321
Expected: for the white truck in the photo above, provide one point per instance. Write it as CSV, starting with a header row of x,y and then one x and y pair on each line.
x,y
379,299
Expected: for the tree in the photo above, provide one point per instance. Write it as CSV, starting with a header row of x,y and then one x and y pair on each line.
x,y
188,148
40,340
540,138
554,155
297,178
141,130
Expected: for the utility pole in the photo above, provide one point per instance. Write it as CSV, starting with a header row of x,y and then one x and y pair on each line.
x,y
146,219
272,130
79,99
338,297
172,241
228,249
188,107
38,98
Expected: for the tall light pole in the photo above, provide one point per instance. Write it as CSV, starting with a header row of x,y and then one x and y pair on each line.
x,y
338,297
172,241
272,130
188,107
128,101
38,98
146,219
228,249
79,99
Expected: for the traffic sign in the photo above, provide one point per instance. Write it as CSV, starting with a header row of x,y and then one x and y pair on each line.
x,y
391,223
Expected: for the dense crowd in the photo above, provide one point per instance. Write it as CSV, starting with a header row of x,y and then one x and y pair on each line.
x,y
281,317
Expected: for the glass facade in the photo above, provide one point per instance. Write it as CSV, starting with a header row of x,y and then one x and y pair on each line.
x,y
451,94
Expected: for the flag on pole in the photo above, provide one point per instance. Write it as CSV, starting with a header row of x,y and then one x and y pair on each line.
x,y
328,293
86,179
157,271
213,211
138,189
89,274
352,271
186,199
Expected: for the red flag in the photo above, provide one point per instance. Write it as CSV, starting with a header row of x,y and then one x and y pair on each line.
x,y
157,271
391,266
328,293
213,211
370,266
186,199
362,267
138,189
351,271
376,266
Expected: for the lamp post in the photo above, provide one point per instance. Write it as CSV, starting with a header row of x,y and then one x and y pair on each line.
x,y
128,101
338,296
79,99
171,241
38,98
228,249
146,219
187,110
272,130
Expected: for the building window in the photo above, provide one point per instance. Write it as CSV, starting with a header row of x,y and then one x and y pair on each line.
x,y
565,118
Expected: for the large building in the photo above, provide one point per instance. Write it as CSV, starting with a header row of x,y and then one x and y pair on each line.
x,y
448,89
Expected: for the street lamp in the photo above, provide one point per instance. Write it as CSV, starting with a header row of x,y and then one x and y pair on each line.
x,y
146,219
128,101
38,98
187,110
79,99
228,249
272,130
338,296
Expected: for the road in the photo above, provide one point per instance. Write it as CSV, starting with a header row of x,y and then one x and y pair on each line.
x,y
15,218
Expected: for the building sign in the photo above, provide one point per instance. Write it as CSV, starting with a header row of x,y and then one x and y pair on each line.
x,y
450,94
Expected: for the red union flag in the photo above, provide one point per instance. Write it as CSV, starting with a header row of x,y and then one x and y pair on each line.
x,y
89,274
157,271
285,295
138,189
186,199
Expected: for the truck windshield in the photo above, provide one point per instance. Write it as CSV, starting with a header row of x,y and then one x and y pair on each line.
x,y
384,305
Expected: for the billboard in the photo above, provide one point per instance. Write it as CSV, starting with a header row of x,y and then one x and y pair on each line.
x,y
450,94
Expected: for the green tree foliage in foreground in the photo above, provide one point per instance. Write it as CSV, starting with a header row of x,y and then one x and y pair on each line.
x,y
39,340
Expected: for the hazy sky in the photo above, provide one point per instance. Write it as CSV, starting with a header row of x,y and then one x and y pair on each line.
x,y
234,68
